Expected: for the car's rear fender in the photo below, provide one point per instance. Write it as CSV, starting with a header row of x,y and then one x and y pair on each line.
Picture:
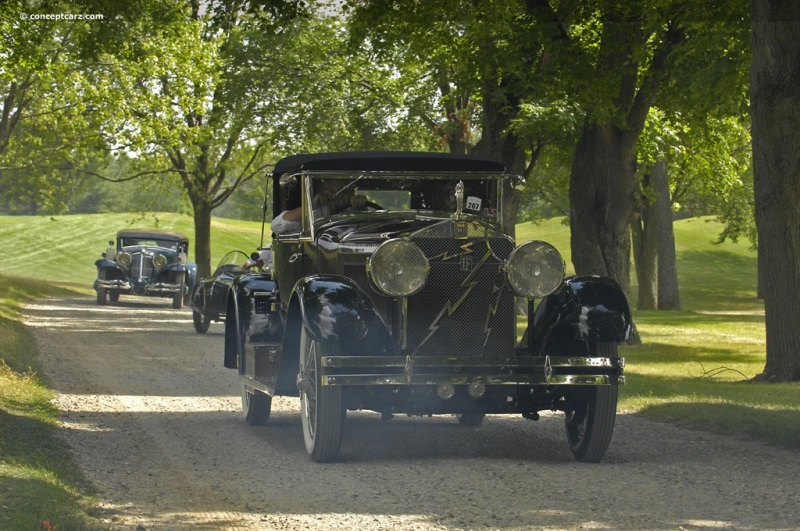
x,y
588,309
332,309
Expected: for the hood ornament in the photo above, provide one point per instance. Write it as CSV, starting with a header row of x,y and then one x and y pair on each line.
x,y
459,214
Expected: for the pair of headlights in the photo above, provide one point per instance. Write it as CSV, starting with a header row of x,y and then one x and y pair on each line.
x,y
398,268
124,259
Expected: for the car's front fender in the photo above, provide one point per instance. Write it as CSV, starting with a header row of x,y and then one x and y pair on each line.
x,y
332,309
105,263
587,309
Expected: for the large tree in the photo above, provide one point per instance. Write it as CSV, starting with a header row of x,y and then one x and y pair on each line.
x,y
632,62
775,114
191,98
45,131
486,60
642,54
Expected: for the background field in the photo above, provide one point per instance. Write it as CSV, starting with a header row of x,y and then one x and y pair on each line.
x,y
692,367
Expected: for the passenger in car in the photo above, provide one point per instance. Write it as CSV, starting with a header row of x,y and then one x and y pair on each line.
x,y
287,222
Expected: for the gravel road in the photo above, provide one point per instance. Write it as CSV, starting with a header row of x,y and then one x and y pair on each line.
x,y
155,422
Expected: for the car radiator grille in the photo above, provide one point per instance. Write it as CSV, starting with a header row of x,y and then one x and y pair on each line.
x,y
466,307
141,265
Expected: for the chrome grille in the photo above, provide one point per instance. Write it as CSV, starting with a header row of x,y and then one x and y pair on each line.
x,y
466,307
141,265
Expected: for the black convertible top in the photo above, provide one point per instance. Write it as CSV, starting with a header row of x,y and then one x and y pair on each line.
x,y
384,161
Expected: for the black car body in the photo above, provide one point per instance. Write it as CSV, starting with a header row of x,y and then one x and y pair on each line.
x,y
209,296
150,262
408,305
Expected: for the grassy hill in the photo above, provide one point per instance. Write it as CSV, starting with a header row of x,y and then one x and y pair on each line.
x,y
64,248
709,274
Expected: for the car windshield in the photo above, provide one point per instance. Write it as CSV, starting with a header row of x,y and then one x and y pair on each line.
x,y
233,262
150,242
332,193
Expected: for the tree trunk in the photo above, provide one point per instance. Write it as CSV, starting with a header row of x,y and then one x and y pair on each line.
x,y
775,115
668,296
644,254
498,143
602,197
202,236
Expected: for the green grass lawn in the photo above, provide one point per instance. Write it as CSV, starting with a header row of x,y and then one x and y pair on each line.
x,y
40,485
64,248
692,367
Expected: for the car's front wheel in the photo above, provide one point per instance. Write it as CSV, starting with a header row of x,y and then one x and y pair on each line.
x,y
177,297
201,322
590,425
102,296
256,406
321,407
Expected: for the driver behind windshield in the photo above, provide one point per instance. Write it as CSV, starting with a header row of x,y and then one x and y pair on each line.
x,y
331,196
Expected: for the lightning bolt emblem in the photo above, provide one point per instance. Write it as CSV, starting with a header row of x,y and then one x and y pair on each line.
x,y
487,329
465,249
450,307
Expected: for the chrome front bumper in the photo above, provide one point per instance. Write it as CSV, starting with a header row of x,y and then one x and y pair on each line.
x,y
113,284
162,287
433,370
124,285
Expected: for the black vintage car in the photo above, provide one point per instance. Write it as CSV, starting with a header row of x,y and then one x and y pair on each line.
x,y
146,262
209,297
396,292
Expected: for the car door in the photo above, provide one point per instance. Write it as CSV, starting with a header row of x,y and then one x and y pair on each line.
x,y
288,263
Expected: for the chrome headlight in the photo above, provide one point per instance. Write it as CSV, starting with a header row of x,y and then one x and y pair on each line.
x,y
398,268
124,259
535,269
159,260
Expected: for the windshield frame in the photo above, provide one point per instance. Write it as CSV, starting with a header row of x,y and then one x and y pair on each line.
x,y
310,219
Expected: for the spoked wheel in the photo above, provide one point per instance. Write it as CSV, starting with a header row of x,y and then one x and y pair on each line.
x,y
177,297
321,408
102,296
591,425
471,419
201,322
256,406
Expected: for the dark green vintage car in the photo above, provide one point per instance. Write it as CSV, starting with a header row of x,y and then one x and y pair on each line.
x,y
150,262
395,291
